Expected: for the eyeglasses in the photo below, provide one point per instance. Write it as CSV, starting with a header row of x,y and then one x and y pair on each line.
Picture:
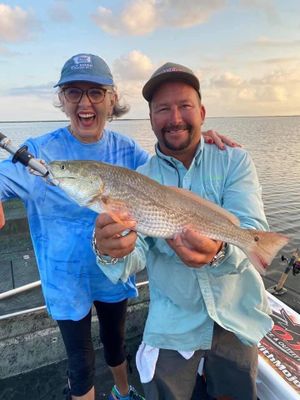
x,y
95,95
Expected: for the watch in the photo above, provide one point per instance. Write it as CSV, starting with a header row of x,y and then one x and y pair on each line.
x,y
219,257
101,258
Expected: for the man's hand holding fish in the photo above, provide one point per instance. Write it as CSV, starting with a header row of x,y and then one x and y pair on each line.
x,y
194,249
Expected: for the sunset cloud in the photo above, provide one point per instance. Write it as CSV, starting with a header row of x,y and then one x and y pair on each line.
x,y
133,66
139,17
265,42
17,25
277,90
45,91
228,79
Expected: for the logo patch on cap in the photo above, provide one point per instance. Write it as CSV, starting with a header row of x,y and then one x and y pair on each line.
x,y
171,69
82,59
82,62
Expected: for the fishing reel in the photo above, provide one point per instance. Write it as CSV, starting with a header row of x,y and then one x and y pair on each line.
x,y
23,156
293,264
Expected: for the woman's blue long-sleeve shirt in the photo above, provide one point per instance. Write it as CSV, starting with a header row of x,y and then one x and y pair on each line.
x,y
61,230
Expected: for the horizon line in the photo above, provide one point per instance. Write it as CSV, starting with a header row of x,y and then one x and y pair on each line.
x,y
147,119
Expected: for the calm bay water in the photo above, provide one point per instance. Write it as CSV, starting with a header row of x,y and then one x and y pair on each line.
x,y
273,142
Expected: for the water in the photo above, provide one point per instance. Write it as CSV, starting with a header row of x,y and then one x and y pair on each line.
x,y
273,143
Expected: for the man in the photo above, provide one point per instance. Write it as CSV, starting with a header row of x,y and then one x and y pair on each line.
x,y
206,299
71,281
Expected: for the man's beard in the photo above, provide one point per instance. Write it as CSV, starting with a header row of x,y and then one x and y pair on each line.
x,y
184,144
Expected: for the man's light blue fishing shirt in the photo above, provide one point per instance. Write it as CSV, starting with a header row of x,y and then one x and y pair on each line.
x,y
185,302
61,230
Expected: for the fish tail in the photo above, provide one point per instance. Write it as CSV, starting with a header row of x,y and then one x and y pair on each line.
x,y
264,248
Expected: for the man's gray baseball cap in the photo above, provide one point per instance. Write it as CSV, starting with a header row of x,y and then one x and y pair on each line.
x,y
86,68
170,72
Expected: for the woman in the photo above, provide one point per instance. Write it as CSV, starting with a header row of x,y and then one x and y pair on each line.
x,y
61,230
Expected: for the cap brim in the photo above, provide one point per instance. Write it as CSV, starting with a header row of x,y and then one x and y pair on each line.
x,y
85,78
153,83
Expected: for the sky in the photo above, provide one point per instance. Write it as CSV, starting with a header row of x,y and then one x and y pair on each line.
x,y
246,53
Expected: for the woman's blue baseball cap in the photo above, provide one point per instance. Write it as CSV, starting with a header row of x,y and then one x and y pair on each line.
x,y
86,68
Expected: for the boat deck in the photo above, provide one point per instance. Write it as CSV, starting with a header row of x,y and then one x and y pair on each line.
x,y
48,383
18,268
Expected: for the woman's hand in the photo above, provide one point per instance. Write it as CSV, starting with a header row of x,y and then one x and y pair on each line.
x,y
213,137
114,239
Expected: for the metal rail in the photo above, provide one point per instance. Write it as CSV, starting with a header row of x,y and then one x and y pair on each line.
x,y
17,313
19,289
28,287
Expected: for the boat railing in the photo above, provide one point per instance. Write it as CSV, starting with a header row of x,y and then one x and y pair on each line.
x,y
30,339
19,289
28,287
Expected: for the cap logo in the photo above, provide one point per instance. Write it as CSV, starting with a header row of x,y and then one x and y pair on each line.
x,y
171,69
82,62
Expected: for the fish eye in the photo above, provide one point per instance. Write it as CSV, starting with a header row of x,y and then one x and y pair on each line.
x,y
63,166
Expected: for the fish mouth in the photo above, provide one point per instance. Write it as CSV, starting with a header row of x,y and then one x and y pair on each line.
x,y
50,179
58,179
55,179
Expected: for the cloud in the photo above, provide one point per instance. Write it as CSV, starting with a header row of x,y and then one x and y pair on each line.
x,y
130,72
59,12
139,17
272,93
264,42
133,66
280,60
231,94
41,91
36,102
33,108
176,12
228,79
17,25
285,76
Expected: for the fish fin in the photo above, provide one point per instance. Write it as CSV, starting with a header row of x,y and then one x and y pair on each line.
x,y
264,248
207,203
119,212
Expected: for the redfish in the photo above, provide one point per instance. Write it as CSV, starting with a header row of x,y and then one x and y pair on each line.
x,y
159,211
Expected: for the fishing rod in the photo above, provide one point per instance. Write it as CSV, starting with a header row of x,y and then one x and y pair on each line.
x,y
23,156
293,264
